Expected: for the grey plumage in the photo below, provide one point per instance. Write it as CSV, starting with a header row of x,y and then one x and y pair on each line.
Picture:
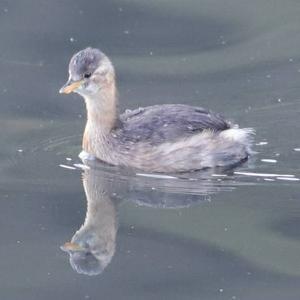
x,y
160,123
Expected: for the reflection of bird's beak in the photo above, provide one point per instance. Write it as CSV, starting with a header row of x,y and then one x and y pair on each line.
x,y
69,246
70,86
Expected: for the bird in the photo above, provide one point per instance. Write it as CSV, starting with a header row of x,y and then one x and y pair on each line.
x,y
167,138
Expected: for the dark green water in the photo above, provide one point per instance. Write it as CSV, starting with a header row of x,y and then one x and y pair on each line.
x,y
201,237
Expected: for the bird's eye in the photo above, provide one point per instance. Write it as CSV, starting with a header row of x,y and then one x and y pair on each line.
x,y
87,75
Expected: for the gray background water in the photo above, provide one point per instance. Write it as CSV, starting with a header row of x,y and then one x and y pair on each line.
x,y
240,58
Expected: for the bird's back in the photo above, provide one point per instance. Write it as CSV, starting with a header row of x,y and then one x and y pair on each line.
x,y
166,123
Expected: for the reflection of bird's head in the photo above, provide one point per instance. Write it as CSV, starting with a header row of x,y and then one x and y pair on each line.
x,y
90,71
89,255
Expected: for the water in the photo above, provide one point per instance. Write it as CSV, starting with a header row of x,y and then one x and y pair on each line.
x,y
207,235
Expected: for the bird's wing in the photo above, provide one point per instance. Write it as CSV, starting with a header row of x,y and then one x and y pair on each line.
x,y
161,123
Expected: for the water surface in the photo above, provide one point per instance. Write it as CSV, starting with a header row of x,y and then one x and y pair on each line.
x,y
196,236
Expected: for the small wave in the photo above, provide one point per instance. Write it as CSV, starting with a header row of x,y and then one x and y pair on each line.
x,y
263,174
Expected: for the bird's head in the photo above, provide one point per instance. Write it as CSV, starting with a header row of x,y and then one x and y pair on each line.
x,y
90,71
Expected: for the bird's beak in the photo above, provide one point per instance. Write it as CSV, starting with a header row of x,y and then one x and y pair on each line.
x,y
69,246
70,86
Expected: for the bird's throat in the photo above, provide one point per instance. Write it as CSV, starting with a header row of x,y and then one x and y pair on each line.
x,y
102,117
102,109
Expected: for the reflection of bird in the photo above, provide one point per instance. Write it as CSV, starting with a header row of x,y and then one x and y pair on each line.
x,y
93,245
160,138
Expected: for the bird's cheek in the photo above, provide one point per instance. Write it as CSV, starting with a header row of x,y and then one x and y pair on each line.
x,y
91,87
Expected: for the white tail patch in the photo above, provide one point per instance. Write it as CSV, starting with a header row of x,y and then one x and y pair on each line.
x,y
242,135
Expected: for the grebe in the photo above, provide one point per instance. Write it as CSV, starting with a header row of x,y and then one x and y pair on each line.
x,y
159,138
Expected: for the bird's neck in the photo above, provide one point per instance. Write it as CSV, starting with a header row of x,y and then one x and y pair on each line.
x,y
102,109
